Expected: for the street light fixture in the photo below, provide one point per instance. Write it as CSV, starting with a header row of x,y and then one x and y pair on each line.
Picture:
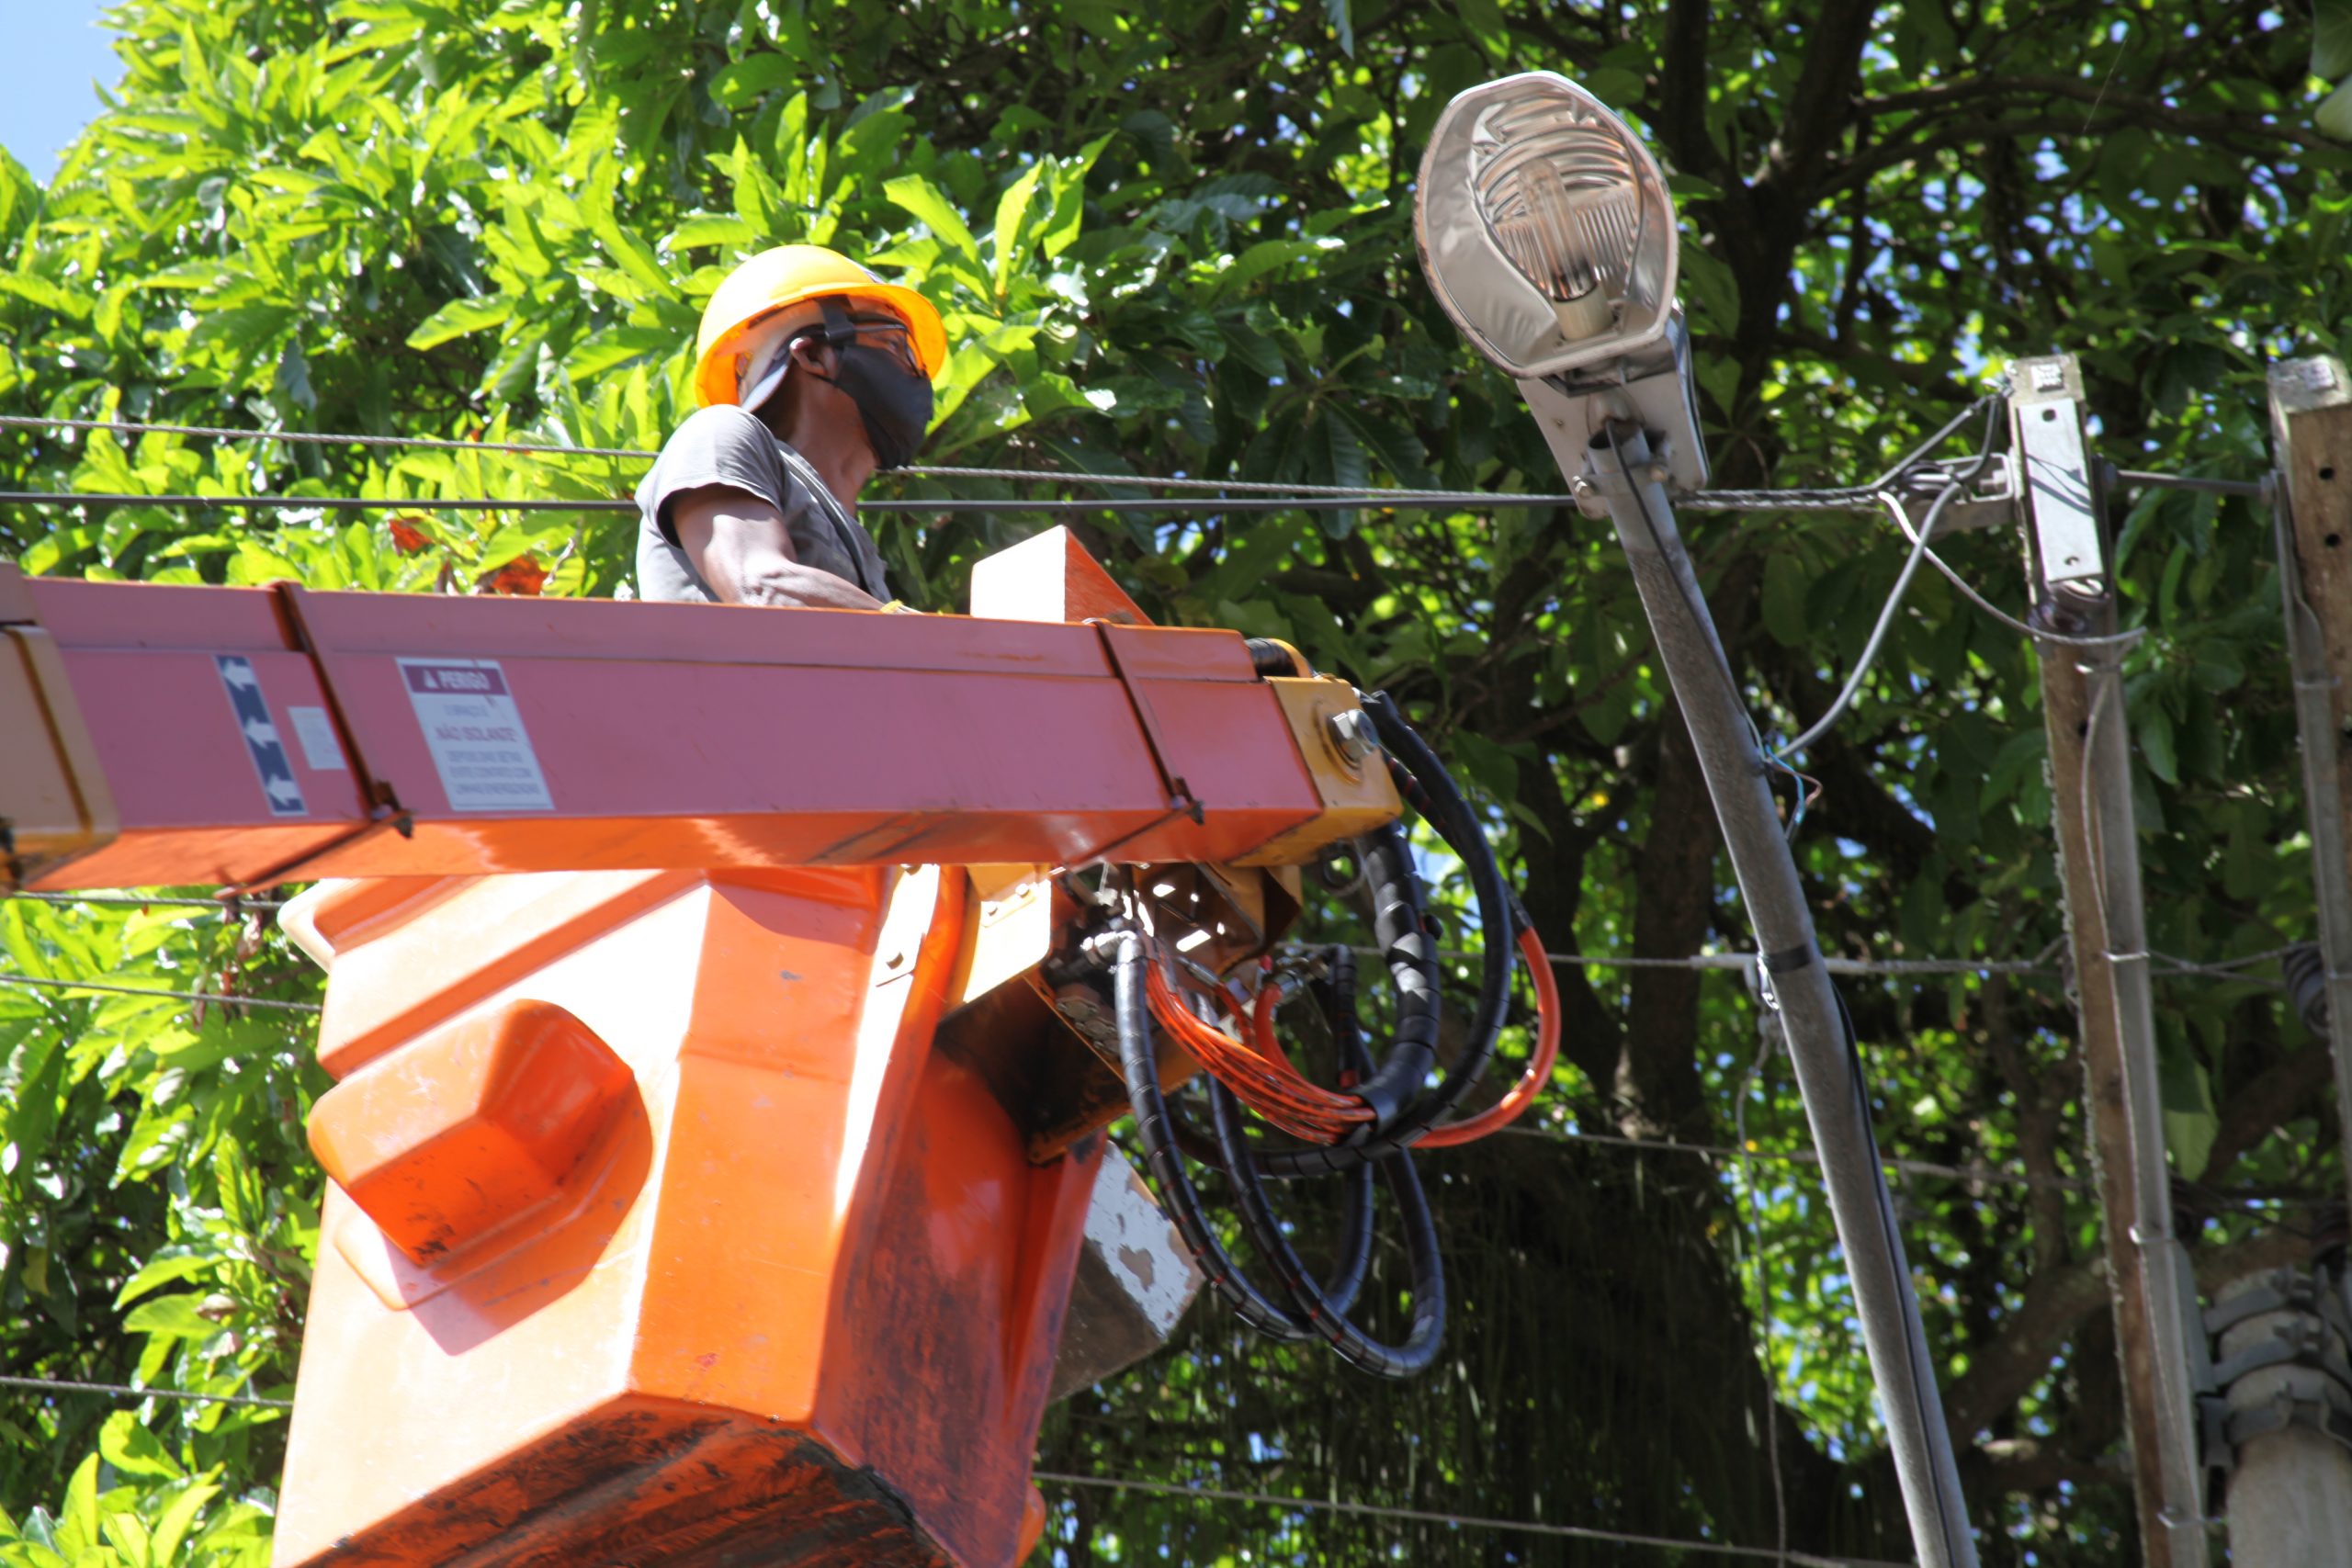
x,y
1547,233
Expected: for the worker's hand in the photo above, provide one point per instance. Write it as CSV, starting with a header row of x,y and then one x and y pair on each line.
x,y
900,607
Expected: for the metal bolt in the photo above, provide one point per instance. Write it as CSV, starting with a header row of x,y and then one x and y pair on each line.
x,y
1589,501
1351,733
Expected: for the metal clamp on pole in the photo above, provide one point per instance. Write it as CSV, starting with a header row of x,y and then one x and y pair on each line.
x,y
2279,1431
1619,468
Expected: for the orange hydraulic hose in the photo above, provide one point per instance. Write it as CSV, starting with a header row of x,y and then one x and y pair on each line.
x,y
1531,1082
1265,1081
1262,1074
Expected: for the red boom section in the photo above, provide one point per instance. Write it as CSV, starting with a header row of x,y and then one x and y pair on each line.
x,y
166,734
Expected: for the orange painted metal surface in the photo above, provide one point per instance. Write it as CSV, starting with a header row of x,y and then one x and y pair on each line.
x,y
473,1128
796,1300
659,1233
248,733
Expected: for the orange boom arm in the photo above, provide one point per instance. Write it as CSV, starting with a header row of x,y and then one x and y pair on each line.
x,y
237,736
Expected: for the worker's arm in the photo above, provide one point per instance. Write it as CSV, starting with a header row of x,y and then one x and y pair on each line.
x,y
740,547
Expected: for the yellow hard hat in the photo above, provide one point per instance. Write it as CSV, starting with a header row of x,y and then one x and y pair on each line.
x,y
788,276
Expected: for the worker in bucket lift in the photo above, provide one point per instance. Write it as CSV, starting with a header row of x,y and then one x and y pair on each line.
x,y
812,374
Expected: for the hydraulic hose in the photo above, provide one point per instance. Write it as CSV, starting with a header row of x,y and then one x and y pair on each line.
x,y
1140,1065
1327,1319
1328,1314
1432,790
1375,1113
1540,1061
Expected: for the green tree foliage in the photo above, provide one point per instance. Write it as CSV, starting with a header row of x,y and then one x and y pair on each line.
x,y
1177,240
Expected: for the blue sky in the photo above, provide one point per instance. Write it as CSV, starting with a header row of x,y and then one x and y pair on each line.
x,y
55,50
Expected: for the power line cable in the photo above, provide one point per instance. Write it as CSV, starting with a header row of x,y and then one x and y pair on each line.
x,y
225,905
310,438
1361,494
2144,478
1465,1522
2171,966
1843,498
1953,487
75,1385
224,997
1386,499
1968,590
1985,1175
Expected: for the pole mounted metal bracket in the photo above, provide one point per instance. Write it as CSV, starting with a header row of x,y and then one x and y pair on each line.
x,y
1987,500
2059,485
2303,1365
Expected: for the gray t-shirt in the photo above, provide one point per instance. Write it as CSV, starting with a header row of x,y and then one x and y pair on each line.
x,y
723,446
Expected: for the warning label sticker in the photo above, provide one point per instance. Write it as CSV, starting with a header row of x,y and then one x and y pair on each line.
x,y
475,734
262,743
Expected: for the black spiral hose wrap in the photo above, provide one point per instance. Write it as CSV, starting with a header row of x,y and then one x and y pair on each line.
x,y
1403,1106
1432,790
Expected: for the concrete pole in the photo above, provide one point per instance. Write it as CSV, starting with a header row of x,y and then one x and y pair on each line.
x,y
2288,1418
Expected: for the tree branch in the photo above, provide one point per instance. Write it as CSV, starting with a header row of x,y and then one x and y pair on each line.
x,y
2056,1303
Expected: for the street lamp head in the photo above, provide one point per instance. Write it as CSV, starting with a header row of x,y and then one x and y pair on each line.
x,y
1547,233
1545,227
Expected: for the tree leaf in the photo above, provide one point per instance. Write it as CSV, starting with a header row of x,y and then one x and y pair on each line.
x,y
712,228
2334,115
1787,581
459,317
931,208
170,1316
1012,210
133,1450
2332,39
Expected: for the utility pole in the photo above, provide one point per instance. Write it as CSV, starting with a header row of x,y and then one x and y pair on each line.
x,y
1622,470
2069,577
2280,1426
2310,428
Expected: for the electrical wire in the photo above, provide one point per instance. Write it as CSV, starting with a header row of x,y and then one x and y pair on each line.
x,y
222,906
1841,497
224,997
75,1385
1868,656
1953,487
1384,500
2141,477
1465,1522
1367,495
310,438
1968,591
1422,780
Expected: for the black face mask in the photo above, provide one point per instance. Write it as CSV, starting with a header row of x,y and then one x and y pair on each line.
x,y
893,402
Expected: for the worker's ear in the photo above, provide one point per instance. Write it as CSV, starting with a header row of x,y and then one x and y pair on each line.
x,y
811,351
